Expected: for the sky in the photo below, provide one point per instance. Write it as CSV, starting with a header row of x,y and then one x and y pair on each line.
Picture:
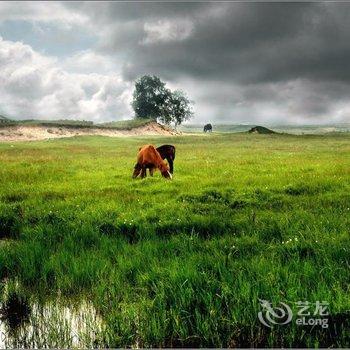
x,y
252,62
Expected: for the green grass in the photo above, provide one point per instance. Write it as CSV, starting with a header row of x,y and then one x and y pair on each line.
x,y
126,124
183,262
68,123
57,123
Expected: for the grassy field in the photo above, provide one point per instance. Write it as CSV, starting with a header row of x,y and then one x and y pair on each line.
x,y
182,262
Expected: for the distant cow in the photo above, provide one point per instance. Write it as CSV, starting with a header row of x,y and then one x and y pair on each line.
x,y
208,127
168,152
149,158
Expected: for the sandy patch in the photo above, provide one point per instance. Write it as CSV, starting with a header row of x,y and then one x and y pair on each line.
x,y
34,133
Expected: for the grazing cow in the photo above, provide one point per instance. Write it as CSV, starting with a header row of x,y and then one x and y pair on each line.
x,y
168,152
208,127
148,157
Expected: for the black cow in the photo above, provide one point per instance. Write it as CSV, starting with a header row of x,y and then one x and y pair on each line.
x,y
168,152
208,128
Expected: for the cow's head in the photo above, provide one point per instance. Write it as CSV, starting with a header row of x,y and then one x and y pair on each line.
x,y
137,170
167,175
164,169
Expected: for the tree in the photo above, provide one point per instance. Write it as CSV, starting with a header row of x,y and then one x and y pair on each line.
x,y
177,108
151,99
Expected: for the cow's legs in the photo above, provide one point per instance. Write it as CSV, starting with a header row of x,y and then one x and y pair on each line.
x,y
151,171
143,172
171,165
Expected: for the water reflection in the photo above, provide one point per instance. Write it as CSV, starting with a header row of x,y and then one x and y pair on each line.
x,y
52,324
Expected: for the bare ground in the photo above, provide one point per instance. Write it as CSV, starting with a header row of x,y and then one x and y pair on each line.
x,y
34,133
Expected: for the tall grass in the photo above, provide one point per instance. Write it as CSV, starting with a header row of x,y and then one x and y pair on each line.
x,y
183,262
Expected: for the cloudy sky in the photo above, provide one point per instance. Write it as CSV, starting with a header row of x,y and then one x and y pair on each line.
x,y
239,62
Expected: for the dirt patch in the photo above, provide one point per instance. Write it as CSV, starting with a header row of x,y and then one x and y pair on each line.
x,y
34,133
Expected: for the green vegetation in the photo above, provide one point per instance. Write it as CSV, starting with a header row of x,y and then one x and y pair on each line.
x,y
5,121
151,99
127,124
182,262
120,125
49,123
58,123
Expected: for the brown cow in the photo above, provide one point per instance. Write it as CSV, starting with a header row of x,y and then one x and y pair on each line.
x,y
166,152
148,157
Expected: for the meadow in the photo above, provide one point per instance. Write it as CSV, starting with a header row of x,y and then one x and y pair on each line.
x,y
179,263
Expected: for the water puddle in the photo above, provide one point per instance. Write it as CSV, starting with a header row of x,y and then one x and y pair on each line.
x,y
55,324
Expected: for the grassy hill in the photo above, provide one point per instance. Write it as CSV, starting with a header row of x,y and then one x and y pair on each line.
x,y
261,130
58,123
68,123
4,121
126,124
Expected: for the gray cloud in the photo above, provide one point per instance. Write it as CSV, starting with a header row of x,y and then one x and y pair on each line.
x,y
247,43
289,59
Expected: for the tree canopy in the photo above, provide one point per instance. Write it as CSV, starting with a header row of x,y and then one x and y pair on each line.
x,y
151,99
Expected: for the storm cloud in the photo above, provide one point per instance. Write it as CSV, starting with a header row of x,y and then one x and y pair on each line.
x,y
239,62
